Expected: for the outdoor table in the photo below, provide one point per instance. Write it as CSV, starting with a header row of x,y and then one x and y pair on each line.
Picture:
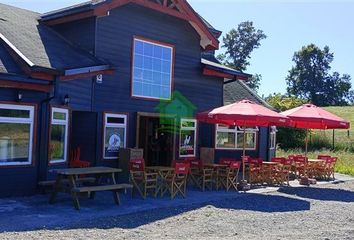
x,y
72,175
163,172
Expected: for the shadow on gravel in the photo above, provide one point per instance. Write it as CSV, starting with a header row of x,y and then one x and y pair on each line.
x,y
323,194
33,213
248,202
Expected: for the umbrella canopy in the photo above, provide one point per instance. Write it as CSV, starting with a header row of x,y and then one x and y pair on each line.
x,y
309,116
244,113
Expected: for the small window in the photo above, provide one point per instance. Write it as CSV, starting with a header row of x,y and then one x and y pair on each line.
x,y
115,131
16,134
273,137
188,138
152,70
231,137
58,145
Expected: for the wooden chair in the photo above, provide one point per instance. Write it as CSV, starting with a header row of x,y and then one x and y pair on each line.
x,y
300,164
227,161
282,171
177,182
256,174
75,161
142,181
228,177
330,168
201,176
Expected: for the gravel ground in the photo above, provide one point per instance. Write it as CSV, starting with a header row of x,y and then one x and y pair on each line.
x,y
320,212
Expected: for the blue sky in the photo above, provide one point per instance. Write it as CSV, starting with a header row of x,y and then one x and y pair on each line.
x,y
289,25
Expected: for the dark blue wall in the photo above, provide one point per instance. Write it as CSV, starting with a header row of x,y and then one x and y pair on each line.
x,y
16,180
114,43
81,33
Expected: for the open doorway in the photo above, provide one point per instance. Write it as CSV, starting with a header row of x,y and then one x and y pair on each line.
x,y
83,135
157,139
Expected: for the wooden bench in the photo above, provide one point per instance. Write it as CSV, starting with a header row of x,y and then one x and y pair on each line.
x,y
50,183
92,189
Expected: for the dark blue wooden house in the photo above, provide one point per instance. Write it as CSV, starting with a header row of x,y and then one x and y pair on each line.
x,y
106,75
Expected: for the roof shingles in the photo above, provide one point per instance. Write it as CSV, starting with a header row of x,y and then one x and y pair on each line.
x,y
39,43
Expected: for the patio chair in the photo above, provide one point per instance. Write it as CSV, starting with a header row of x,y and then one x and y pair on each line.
x,y
330,167
142,181
201,176
177,182
301,166
227,161
75,161
256,174
282,171
228,177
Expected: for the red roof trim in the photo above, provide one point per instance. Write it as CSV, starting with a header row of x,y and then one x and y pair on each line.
x,y
187,13
26,86
215,73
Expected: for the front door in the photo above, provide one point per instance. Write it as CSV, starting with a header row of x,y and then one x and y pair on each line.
x,y
157,139
83,135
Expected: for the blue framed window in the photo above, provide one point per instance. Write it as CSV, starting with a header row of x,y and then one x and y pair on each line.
x,y
152,70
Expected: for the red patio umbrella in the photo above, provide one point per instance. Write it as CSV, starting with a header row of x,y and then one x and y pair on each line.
x,y
309,116
244,114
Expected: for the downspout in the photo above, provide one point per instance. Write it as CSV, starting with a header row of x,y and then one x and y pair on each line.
x,y
44,126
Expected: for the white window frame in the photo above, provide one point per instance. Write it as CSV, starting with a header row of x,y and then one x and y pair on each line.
x,y
15,120
273,131
171,73
114,125
237,130
65,123
188,129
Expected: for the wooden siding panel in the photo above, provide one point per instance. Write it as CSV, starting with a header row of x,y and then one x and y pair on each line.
x,y
81,33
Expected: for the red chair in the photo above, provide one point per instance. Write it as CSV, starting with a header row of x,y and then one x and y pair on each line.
x,y
301,166
75,161
141,180
201,176
255,170
226,161
330,167
228,177
280,160
323,157
177,182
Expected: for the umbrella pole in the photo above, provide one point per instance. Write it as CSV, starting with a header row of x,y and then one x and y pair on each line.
x,y
244,155
306,142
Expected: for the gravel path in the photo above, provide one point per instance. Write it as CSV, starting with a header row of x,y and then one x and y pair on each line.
x,y
321,212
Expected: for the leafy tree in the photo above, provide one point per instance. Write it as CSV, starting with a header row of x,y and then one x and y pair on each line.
x,y
254,82
239,44
287,137
310,78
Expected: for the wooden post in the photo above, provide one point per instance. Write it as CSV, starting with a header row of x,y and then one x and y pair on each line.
x,y
333,139
306,142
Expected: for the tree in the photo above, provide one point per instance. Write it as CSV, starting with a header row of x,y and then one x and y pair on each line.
x,y
254,82
310,78
239,44
287,137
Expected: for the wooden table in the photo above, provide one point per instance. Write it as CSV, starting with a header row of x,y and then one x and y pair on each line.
x,y
313,167
72,177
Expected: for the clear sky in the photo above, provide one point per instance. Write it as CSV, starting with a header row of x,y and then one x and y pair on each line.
x,y
289,25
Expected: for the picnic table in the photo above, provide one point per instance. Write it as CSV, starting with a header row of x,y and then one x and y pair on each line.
x,y
69,181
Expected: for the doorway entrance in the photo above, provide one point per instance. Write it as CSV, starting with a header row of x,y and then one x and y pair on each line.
x,y
157,138
83,134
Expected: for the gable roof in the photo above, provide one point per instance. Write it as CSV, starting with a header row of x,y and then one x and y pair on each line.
x,y
37,47
180,9
238,90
